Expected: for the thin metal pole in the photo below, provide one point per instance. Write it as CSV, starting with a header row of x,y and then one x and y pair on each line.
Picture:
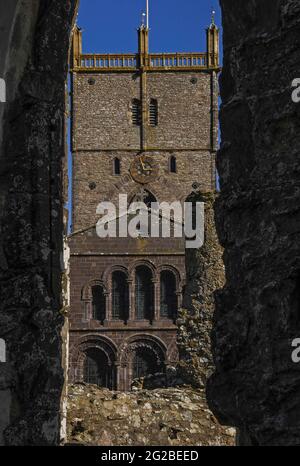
x,y
147,13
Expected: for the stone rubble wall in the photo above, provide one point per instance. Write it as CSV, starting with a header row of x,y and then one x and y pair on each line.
x,y
162,417
205,275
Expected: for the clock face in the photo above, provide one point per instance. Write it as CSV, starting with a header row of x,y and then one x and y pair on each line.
x,y
144,169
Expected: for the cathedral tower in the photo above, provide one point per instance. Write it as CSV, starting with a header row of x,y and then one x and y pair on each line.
x,y
143,124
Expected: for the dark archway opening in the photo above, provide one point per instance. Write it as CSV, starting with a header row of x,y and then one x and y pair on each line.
x,y
144,294
168,296
120,296
145,363
98,303
97,369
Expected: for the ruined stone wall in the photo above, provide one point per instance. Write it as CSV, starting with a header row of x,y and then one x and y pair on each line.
x,y
31,220
165,417
205,275
256,384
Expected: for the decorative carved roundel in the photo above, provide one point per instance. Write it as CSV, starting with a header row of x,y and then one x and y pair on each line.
x,y
144,169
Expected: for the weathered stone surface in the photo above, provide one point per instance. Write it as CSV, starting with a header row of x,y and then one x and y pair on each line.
x,y
256,385
149,417
205,275
170,378
31,217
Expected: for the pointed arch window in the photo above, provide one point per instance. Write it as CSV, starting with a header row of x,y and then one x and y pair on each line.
x,y
98,303
117,166
153,112
136,112
168,296
173,164
144,294
120,296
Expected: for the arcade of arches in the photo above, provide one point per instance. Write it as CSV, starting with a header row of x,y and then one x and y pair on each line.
x,y
126,328
97,360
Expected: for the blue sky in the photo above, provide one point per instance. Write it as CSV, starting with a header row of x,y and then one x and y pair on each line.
x,y
176,25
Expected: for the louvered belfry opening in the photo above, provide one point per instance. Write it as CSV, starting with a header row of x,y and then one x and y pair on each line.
x,y
120,296
144,294
97,370
98,303
136,110
168,296
153,112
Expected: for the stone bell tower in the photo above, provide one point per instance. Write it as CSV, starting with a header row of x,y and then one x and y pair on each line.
x,y
143,124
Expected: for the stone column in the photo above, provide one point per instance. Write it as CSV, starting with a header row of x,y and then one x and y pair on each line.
x,y
123,377
131,299
179,303
128,376
179,299
117,376
109,303
87,315
107,314
156,290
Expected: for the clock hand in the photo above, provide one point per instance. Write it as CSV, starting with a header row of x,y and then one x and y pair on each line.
x,y
142,163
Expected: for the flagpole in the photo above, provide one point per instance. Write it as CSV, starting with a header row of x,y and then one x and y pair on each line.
x,y
147,13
